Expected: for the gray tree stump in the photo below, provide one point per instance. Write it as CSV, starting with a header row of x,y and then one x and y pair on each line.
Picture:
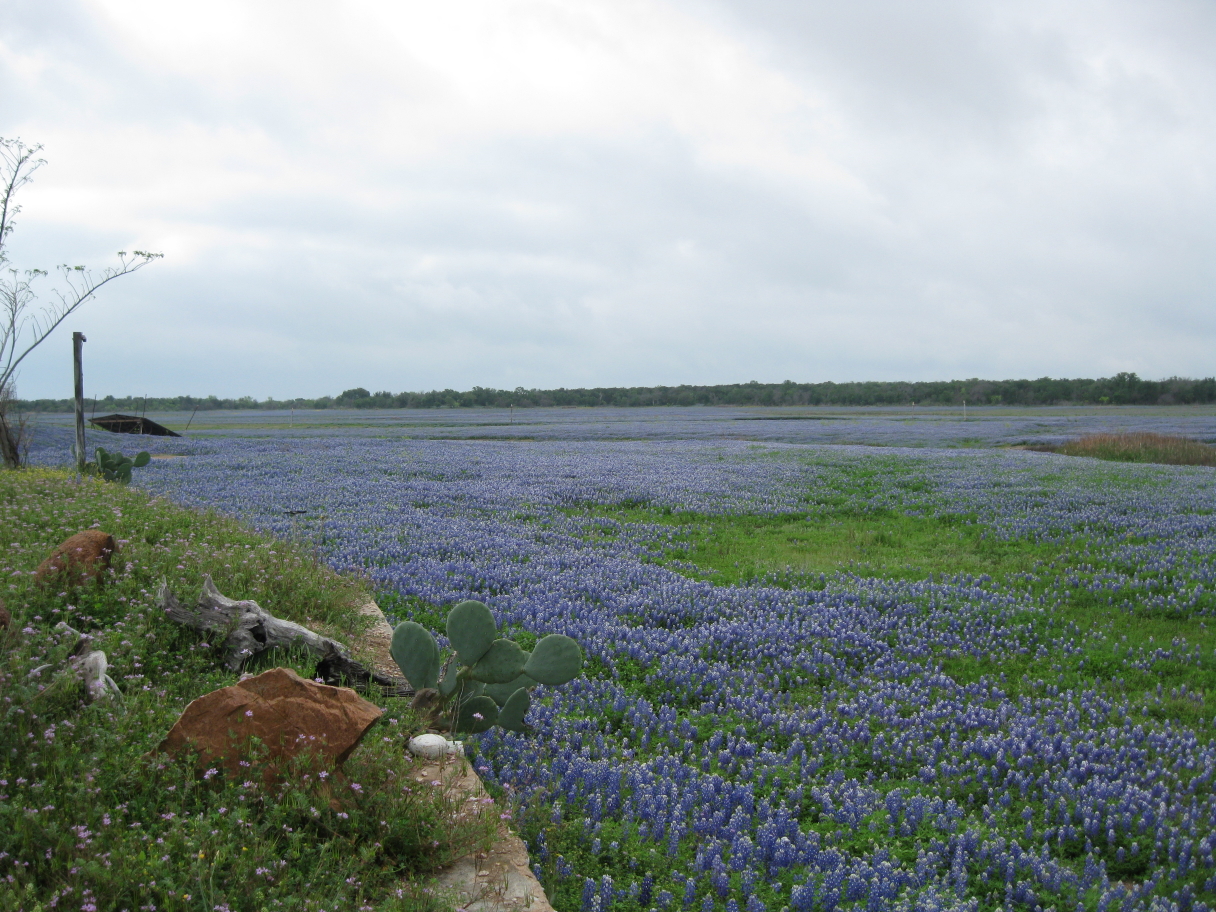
x,y
244,629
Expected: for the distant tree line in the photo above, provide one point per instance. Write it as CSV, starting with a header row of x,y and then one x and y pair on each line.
x,y
1121,389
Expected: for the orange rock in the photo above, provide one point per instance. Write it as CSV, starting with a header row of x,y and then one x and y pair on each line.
x,y
83,556
288,714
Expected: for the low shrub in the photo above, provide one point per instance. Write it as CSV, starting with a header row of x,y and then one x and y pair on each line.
x,y
1142,447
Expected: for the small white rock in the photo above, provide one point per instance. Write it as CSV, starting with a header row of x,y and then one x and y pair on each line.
x,y
432,747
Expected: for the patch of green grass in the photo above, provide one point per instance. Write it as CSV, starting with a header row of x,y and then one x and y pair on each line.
x,y
740,548
398,608
90,813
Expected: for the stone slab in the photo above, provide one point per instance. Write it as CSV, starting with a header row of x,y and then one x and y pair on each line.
x,y
500,880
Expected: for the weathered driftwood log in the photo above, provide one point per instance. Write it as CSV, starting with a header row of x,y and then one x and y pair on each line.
x,y
90,664
92,667
243,629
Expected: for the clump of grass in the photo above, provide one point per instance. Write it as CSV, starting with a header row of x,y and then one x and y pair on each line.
x,y
92,817
1142,447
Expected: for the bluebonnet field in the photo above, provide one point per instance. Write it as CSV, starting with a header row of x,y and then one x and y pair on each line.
x,y
907,426
850,740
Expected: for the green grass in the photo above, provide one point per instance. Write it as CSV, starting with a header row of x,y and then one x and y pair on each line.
x,y
742,548
91,815
796,548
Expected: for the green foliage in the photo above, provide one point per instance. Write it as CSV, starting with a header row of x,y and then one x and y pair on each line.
x,y
1121,389
486,681
105,821
115,466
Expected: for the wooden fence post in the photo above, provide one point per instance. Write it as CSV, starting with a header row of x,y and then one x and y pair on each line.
x,y
78,341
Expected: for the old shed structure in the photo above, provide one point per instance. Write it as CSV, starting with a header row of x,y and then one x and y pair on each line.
x,y
131,424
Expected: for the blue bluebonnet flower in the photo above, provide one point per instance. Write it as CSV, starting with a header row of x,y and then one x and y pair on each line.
x,y
988,787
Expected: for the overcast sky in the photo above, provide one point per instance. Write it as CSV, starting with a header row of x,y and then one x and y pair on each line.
x,y
409,196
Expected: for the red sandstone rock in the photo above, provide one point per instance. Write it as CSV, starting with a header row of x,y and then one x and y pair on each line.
x,y
288,714
83,556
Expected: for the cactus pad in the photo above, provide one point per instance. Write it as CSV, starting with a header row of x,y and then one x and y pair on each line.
x,y
511,716
448,684
416,654
472,630
500,693
555,660
467,720
504,661
487,680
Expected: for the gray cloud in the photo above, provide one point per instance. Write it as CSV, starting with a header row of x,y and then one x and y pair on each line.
x,y
552,194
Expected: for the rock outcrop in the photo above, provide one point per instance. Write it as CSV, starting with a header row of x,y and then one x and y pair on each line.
x,y
287,713
82,557
498,880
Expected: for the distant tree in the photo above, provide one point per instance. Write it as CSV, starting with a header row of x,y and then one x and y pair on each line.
x,y
23,330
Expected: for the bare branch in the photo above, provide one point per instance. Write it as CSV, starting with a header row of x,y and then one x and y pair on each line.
x,y
17,324
81,283
17,163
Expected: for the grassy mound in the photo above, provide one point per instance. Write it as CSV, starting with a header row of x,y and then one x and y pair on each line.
x,y
89,818
1142,447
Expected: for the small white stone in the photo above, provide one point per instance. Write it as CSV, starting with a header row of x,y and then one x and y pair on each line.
x,y
432,747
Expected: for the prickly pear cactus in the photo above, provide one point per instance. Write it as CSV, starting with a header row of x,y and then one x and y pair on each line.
x,y
116,466
415,652
487,680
